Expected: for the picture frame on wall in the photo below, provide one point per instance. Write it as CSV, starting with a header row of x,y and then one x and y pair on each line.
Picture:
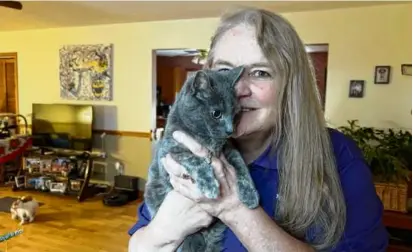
x,y
382,75
356,89
407,69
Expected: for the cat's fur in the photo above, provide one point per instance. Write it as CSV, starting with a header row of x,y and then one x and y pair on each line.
x,y
205,109
24,209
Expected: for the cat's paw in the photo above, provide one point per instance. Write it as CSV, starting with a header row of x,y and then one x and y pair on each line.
x,y
248,195
209,188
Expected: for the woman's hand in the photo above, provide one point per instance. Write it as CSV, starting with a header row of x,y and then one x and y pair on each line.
x,y
176,218
224,173
180,216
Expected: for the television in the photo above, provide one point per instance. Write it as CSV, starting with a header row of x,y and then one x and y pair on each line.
x,y
62,126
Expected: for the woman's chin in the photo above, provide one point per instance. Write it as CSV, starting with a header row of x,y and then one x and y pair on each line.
x,y
240,132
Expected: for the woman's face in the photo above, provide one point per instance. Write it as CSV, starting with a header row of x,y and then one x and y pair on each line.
x,y
256,88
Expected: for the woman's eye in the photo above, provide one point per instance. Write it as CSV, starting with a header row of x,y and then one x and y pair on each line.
x,y
260,74
223,69
216,114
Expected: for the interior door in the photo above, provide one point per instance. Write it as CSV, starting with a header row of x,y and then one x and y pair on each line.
x,y
8,85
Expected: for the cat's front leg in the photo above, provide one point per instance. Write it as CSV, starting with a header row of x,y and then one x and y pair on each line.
x,y
247,192
203,175
157,187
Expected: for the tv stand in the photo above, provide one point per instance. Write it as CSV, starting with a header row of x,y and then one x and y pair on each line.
x,y
61,171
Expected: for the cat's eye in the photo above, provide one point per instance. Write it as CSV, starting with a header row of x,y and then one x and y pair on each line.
x,y
216,114
223,69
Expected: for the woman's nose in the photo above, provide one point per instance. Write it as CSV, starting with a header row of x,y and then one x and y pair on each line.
x,y
242,88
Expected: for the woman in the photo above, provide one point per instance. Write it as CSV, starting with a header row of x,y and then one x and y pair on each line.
x,y
315,188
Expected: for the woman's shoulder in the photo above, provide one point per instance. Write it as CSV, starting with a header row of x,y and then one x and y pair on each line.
x,y
345,149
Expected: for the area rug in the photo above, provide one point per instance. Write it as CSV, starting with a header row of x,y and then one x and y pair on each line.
x,y
5,204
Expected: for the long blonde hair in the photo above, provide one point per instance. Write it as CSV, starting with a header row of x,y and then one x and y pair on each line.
x,y
310,194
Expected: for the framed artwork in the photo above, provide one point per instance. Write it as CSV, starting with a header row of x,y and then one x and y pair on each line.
x,y
86,72
356,89
407,69
382,75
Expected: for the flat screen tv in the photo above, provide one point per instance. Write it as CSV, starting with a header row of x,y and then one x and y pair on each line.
x,y
62,126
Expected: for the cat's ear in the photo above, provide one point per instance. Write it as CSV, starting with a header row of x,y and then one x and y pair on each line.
x,y
235,74
200,82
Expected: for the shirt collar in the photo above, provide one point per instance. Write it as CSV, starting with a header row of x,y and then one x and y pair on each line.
x,y
267,159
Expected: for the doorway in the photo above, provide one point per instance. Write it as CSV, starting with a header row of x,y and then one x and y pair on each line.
x,y
8,83
171,67
319,57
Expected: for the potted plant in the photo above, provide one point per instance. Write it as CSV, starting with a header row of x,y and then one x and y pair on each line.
x,y
389,156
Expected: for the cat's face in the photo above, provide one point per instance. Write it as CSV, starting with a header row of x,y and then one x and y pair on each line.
x,y
210,102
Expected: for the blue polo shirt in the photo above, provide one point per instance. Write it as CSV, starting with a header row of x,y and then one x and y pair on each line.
x,y
364,231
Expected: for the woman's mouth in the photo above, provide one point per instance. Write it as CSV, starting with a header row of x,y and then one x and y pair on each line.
x,y
247,109
238,115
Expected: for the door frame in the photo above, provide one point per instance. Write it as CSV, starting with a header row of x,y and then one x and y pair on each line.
x,y
153,97
175,82
13,56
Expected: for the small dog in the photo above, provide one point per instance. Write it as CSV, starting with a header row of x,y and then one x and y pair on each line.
x,y
24,209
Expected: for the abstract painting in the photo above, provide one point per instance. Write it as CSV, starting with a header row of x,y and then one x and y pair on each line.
x,y
86,72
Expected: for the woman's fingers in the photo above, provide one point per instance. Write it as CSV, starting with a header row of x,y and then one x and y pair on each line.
x,y
186,188
171,169
190,143
220,164
200,151
229,169
174,168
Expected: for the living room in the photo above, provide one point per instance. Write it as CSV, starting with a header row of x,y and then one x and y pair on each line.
x,y
360,37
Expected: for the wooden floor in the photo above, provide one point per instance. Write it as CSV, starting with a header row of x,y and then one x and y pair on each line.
x,y
63,224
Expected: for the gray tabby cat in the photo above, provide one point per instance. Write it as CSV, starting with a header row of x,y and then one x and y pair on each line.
x,y
205,109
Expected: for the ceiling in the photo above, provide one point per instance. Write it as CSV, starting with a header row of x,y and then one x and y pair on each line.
x,y
53,14
190,52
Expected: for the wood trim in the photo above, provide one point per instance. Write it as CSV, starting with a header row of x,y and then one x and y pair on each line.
x,y
113,132
123,133
9,55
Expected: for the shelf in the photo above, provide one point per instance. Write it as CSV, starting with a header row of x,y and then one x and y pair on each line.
x,y
398,248
85,189
397,220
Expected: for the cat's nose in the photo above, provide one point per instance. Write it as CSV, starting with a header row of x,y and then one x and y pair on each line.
x,y
228,126
229,130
